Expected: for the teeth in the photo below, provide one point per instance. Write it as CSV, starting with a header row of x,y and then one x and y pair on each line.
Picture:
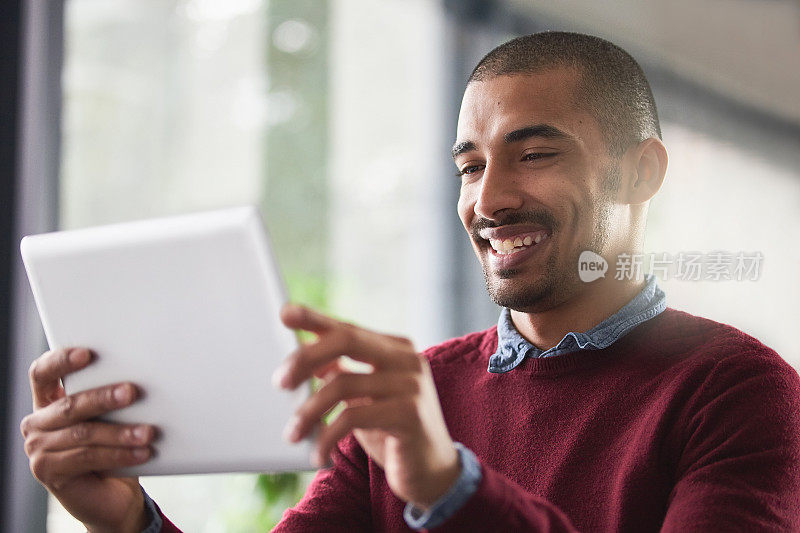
x,y
508,246
508,252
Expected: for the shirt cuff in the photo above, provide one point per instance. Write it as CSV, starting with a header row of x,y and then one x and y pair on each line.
x,y
458,494
150,507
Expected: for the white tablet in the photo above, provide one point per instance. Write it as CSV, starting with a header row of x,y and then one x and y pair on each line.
x,y
187,308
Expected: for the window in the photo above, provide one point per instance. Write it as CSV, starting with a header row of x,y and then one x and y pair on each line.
x,y
184,105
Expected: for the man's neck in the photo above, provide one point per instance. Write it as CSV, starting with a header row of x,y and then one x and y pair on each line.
x,y
581,313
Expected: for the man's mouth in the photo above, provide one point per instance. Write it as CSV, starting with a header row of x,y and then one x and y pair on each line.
x,y
509,241
512,246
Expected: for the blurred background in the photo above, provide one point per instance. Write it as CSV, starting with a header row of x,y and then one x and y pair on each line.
x,y
336,118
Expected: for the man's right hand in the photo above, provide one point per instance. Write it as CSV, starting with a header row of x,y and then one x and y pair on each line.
x,y
70,451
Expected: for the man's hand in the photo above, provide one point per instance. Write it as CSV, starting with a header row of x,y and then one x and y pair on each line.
x,y
69,451
393,411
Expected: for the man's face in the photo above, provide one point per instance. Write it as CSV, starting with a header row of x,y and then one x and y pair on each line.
x,y
534,186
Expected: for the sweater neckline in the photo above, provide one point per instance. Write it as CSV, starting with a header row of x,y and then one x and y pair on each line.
x,y
583,359
512,349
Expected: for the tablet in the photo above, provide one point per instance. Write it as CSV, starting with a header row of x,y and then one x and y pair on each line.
x,y
187,308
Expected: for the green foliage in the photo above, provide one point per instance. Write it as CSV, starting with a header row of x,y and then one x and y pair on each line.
x,y
283,490
309,290
295,200
275,486
279,491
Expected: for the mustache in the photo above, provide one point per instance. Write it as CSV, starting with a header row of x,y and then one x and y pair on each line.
x,y
540,217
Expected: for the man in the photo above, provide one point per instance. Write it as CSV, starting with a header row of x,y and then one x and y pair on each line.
x,y
601,410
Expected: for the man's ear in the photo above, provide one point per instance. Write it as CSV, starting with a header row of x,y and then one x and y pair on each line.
x,y
646,165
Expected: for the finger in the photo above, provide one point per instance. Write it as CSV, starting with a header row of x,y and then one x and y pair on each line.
x,y
299,317
45,373
325,372
379,351
347,386
91,434
393,416
83,406
329,371
56,468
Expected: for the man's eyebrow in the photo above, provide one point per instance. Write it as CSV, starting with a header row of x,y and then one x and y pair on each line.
x,y
460,148
539,130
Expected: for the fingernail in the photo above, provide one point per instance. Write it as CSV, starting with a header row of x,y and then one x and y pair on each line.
x,y
316,459
141,453
140,433
122,394
291,432
279,376
79,356
292,309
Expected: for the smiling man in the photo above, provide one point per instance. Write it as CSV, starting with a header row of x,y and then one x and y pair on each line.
x,y
591,406
539,163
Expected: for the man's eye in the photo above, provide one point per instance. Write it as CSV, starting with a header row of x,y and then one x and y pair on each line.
x,y
537,155
468,170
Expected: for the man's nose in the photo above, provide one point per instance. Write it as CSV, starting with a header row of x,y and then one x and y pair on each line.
x,y
499,191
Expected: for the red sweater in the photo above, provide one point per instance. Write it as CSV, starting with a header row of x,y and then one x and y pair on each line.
x,y
684,424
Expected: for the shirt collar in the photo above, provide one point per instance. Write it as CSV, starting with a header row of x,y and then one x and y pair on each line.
x,y
512,348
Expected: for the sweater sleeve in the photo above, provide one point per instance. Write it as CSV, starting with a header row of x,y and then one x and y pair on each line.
x,y
740,466
338,498
501,504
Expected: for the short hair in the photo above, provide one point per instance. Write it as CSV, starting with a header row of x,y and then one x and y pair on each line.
x,y
613,86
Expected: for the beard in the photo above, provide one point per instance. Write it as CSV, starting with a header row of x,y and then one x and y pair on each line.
x,y
507,288
557,280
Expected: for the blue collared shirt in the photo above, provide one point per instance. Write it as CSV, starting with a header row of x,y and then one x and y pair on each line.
x,y
512,349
